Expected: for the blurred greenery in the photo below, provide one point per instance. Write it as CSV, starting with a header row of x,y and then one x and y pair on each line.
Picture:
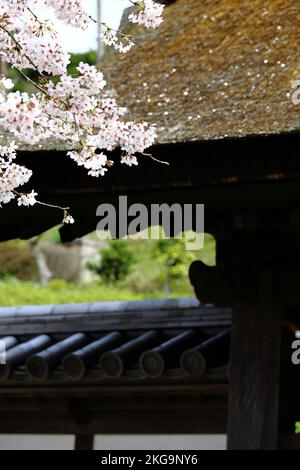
x,y
116,261
89,57
163,265
174,258
160,268
59,291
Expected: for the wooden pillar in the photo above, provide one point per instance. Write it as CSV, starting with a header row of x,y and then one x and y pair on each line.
x,y
255,351
254,379
84,442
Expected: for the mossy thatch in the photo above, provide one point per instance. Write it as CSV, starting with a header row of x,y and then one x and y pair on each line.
x,y
214,68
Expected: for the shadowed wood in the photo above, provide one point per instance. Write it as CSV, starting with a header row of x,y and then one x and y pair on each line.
x,y
255,350
130,415
84,442
230,176
289,441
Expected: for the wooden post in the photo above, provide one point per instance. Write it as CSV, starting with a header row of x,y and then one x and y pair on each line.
x,y
84,442
255,353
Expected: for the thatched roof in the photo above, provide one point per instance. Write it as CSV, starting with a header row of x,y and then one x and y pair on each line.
x,y
214,68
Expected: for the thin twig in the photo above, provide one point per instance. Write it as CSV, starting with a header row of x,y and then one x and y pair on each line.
x,y
52,206
155,159
36,85
34,15
109,28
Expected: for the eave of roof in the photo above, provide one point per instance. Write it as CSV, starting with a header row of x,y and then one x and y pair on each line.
x,y
156,313
82,342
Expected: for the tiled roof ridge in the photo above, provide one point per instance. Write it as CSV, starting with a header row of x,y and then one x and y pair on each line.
x,y
104,316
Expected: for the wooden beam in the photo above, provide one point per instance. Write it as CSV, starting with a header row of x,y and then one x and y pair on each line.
x,y
114,415
84,442
101,389
212,421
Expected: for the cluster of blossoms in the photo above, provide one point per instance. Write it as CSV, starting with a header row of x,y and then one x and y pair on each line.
x,y
75,110
119,41
150,14
12,175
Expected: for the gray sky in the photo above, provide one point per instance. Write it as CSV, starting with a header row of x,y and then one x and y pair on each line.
x,y
82,41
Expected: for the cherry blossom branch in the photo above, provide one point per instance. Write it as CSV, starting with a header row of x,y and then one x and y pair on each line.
x,y
19,47
52,206
74,109
29,199
34,15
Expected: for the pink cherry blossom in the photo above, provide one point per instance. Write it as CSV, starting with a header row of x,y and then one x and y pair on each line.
x,y
73,109
149,14
27,199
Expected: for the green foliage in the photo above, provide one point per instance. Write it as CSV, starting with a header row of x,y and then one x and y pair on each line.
x,y
5,275
174,257
160,268
297,427
60,292
89,57
21,84
116,261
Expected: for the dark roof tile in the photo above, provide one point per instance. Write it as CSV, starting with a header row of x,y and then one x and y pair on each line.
x,y
105,339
